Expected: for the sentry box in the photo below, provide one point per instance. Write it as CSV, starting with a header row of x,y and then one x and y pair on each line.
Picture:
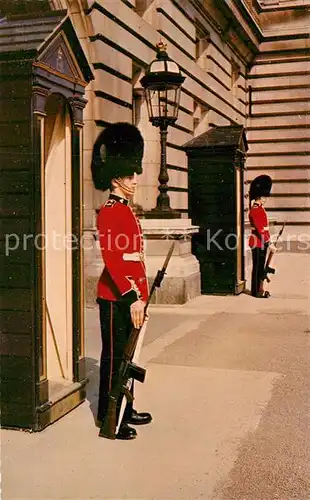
x,y
44,73
216,163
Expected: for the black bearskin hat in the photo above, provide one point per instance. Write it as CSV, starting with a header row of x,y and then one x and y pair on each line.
x,y
117,152
260,186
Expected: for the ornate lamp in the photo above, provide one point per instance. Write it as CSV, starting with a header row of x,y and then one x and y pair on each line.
x,y
162,87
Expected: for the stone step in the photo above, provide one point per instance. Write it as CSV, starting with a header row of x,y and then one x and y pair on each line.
x,y
273,133
272,5
280,107
278,121
296,66
298,217
272,81
270,95
294,161
291,232
280,45
285,174
291,201
285,186
279,147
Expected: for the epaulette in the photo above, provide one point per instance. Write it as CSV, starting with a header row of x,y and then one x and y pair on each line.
x,y
109,203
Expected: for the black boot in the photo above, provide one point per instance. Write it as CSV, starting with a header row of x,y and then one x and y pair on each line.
x,y
140,418
126,432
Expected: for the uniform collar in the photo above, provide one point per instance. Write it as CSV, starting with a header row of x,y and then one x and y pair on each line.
x,y
256,203
118,198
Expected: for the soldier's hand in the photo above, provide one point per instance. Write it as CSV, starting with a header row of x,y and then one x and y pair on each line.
x,y
272,248
137,313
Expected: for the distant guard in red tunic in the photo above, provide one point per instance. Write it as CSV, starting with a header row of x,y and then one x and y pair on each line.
x,y
122,287
259,240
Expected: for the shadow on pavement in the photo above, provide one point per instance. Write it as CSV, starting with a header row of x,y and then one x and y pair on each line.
x,y
92,373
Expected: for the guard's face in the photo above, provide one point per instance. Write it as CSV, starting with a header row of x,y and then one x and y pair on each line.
x,y
263,200
127,185
131,182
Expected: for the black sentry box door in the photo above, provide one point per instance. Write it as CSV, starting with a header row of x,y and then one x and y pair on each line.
x,y
213,208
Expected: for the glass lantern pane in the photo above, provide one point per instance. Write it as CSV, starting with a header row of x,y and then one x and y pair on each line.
x,y
163,103
149,97
172,103
158,110
155,105
173,67
177,100
157,66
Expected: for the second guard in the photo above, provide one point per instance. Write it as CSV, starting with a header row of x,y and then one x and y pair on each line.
x,y
259,240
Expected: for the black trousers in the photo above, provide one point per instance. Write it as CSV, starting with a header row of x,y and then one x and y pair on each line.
x,y
258,265
116,325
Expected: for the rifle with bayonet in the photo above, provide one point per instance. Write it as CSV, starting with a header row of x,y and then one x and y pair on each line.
x,y
268,269
129,370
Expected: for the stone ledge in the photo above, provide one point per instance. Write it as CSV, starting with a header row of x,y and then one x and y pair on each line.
x,y
178,267
168,227
177,290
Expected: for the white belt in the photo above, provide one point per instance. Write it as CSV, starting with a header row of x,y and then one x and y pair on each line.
x,y
134,257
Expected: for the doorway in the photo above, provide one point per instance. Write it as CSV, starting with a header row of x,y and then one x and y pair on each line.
x,y
57,221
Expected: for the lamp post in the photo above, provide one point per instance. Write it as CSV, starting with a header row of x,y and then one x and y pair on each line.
x,y
162,87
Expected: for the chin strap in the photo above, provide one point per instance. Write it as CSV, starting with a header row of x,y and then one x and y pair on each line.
x,y
126,190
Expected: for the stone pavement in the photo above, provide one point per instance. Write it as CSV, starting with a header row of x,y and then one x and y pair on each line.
x,y
228,386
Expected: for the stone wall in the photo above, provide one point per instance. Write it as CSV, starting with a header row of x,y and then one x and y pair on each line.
x,y
214,92
215,44
278,125
121,42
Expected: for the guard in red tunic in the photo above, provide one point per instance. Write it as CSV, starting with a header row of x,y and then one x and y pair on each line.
x,y
122,288
259,239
